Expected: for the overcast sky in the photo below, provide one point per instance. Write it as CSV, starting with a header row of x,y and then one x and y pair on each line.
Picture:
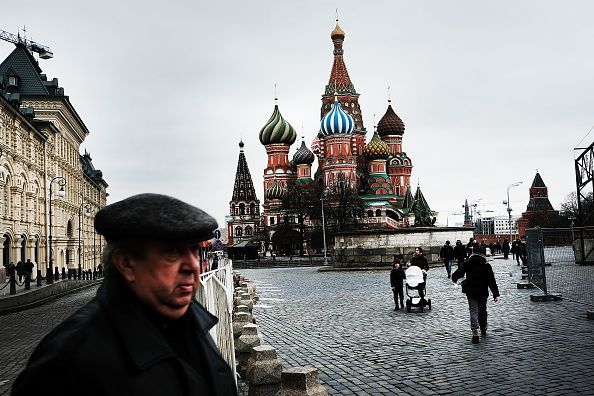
x,y
488,92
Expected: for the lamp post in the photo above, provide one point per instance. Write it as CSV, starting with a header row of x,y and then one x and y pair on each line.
x,y
509,209
87,208
324,231
49,276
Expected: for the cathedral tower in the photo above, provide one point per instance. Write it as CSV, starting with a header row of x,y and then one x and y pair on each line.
x,y
244,207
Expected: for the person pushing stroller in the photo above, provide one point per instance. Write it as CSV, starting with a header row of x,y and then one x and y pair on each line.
x,y
419,260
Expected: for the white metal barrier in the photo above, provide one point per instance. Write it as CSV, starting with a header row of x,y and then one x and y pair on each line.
x,y
216,295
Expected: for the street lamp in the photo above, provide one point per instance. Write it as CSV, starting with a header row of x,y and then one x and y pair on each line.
x,y
87,208
509,210
62,193
324,231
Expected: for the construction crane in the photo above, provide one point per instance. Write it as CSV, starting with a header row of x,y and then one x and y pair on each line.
x,y
43,51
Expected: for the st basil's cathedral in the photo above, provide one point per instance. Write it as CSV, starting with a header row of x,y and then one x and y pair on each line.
x,y
379,170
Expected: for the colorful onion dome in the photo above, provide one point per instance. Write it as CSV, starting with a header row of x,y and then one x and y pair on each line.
x,y
275,190
315,145
390,124
376,148
277,130
337,121
337,33
303,155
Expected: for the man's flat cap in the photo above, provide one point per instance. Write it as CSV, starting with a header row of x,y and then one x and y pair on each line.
x,y
154,217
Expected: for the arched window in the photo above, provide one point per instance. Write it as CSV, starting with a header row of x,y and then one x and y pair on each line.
x,y
378,213
252,208
23,248
241,208
238,231
248,231
232,209
69,229
370,213
6,251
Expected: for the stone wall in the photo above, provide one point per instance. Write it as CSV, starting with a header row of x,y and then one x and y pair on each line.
x,y
378,248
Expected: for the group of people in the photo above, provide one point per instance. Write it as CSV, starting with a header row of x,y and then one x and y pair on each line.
x,y
21,269
472,265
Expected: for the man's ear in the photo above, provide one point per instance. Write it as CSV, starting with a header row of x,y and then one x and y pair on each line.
x,y
124,263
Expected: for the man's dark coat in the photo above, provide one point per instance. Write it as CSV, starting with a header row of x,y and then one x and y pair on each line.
x,y
479,277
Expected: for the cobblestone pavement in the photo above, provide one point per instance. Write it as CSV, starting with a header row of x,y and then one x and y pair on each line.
x,y
22,331
344,324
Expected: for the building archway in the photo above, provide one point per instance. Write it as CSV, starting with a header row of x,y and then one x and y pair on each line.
x,y
23,248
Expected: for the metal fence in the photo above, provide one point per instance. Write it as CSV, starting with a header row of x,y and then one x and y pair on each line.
x,y
558,261
216,295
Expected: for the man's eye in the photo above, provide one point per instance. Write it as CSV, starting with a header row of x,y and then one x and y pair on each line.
x,y
172,251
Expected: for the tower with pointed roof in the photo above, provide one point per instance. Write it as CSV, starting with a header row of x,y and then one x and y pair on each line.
x,y
243,221
341,88
539,211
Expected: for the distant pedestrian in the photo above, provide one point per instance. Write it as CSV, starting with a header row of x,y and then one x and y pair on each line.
x,y
215,263
523,250
11,269
479,279
100,270
478,249
28,267
470,246
515,248
460,252
20,268
418,259
505,248
397,277
447,256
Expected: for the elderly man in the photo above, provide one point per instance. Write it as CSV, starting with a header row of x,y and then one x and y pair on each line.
x,y
143,334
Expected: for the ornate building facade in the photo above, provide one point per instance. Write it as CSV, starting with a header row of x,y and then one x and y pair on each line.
x,y
379,171
40,138
539,211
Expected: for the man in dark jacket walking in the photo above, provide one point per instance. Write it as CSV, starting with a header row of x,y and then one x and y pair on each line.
x,y
144,334
505,248
447,255
479,279
460,252
418,259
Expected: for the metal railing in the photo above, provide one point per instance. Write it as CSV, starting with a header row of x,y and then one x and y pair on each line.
x,y
216,295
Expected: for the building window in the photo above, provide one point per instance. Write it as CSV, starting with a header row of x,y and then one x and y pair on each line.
x,y
12,81
248,231
272,221
241,208
378,213
370,213
238,231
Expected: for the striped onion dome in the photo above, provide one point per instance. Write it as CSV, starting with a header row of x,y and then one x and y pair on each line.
x,y
277,130
337,121
376,148
303,155
275,190
390,124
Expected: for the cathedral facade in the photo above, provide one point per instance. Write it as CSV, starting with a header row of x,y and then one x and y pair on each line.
x,y
379,170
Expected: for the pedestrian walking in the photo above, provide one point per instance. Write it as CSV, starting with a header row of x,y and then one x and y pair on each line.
x,y
418,259
20,269
460,252
523,250
28,267
479,279
144,333
505,248
515,249
397,277
446,254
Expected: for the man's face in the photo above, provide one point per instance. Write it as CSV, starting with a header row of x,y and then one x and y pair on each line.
x,y
417,252
167,277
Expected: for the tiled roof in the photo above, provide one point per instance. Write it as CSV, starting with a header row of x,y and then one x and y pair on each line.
x,y
22,63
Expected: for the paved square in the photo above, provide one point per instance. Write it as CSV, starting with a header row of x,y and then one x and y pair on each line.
x,y
344,324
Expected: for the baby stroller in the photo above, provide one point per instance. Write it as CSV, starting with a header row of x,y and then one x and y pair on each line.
x,y
415,280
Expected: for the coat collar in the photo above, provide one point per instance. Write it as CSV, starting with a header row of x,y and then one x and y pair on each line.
x,y
139,334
